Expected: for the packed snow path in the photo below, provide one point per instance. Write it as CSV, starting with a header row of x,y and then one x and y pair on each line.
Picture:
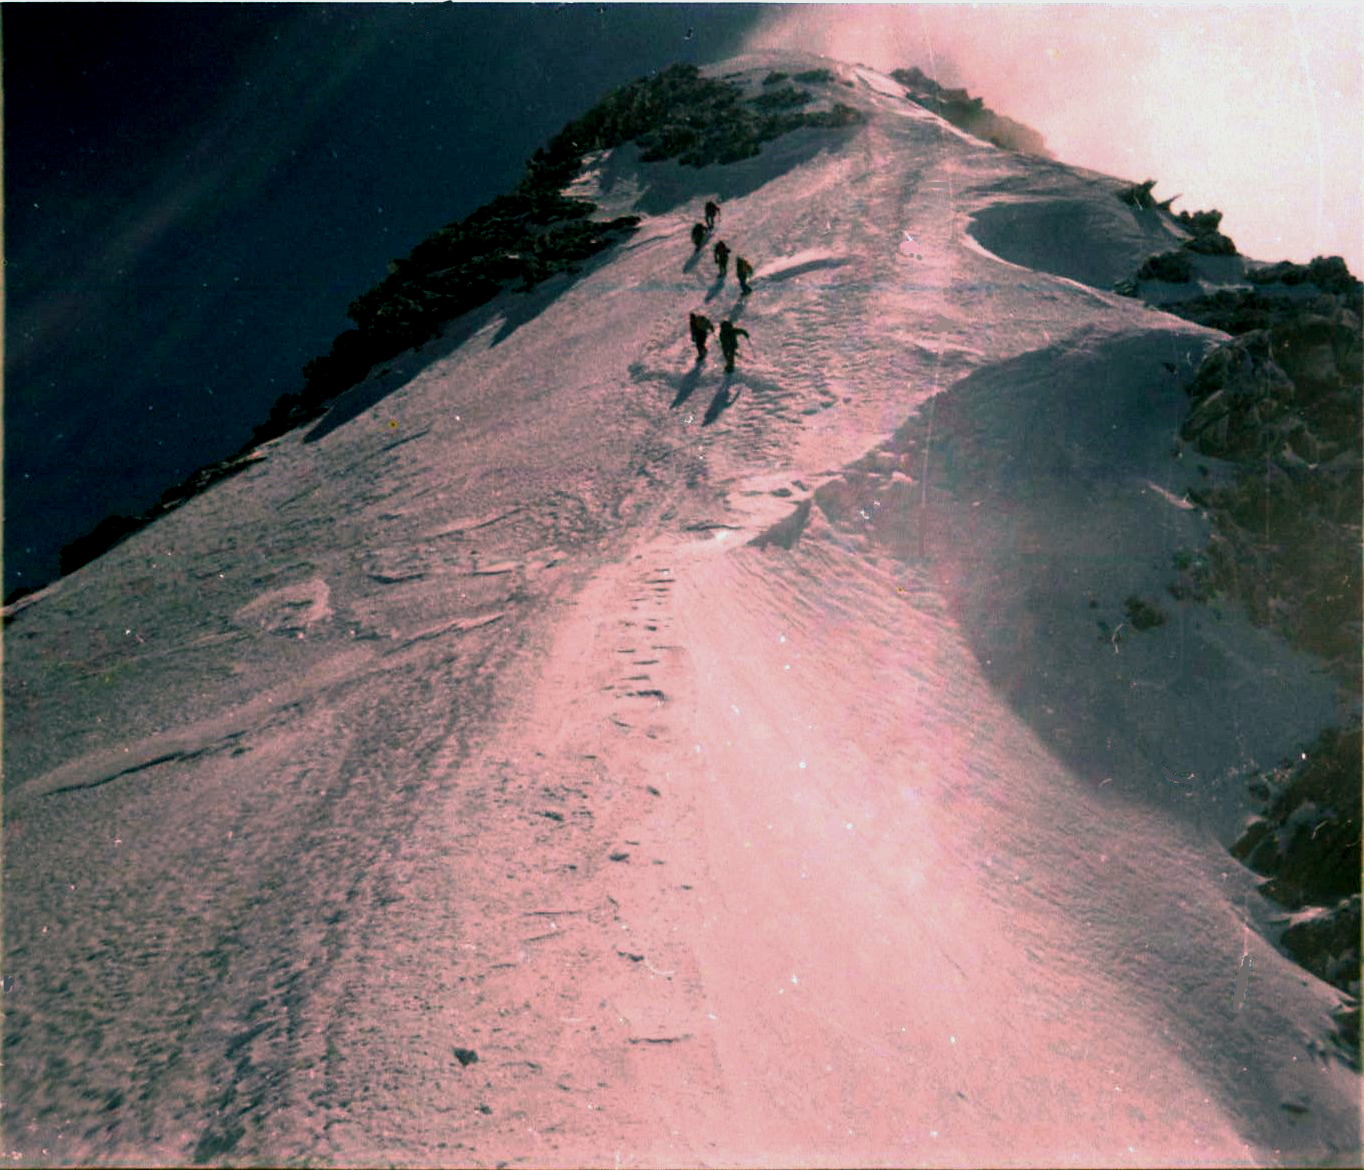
x,y
567,761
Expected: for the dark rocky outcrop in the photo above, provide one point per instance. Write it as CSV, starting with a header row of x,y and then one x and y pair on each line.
x,y
1173,267
1205,238
785,98
1241,401
970,113
1142,614
1211,244
1328,945
1140,195
1329,273
1307,844
1279,403
1307,840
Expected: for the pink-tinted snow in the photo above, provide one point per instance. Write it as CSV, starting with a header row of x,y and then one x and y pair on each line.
x,y
748,770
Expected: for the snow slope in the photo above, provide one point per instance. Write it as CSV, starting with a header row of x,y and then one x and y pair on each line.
x,y
747,769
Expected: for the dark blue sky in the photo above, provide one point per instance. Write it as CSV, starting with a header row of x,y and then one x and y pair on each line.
x,y
195,192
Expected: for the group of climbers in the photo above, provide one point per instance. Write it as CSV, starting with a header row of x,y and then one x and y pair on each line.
x,y
700,232
701,326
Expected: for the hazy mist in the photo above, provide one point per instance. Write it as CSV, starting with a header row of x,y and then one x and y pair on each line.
x,y
1252,109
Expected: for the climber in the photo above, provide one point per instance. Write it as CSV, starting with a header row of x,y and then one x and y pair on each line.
x,y
729,342
698,235
712,210
701,328
722,257
743,270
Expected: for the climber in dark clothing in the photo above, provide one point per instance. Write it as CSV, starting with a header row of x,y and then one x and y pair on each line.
x,y
743,270
722,257
712,210
698,235
701,328
729,342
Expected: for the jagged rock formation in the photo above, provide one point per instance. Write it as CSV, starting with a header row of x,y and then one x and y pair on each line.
x,y
1280,402
1307,843
1206,238
970,113
1179,265
1174,267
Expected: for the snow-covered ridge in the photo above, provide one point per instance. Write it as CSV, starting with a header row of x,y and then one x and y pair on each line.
x,y
771,760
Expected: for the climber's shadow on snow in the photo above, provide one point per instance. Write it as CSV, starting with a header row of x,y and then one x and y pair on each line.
x,y
716,288
782,271
686,386
722,401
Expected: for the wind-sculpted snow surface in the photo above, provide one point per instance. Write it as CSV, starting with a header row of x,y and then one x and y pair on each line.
x,y
573,754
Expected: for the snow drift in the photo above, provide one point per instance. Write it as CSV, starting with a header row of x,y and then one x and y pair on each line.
x,y
564,752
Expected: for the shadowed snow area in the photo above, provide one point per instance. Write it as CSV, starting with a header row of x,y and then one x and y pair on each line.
x,y
570,754
1051,222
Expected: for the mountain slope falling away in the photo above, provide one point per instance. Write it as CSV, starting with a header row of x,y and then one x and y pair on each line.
x,y
566,752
